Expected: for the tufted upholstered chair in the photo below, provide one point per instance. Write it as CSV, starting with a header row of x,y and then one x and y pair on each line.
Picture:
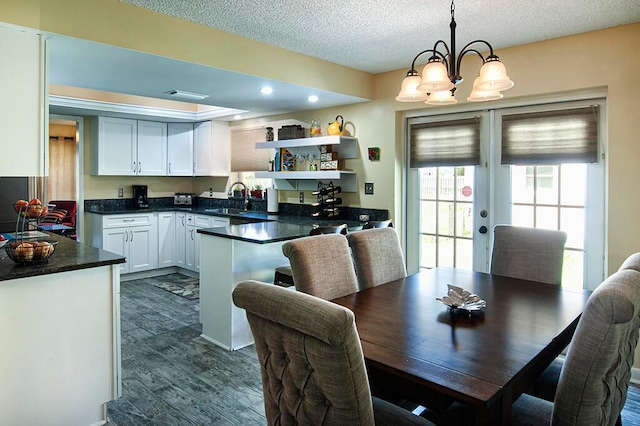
x,y
546,385
313,370
593,383
322,265
528,253
377,255
283,275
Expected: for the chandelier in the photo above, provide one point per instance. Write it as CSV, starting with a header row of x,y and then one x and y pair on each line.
x,y
437,86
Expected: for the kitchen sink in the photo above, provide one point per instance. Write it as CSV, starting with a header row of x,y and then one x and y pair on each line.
x,y
226,211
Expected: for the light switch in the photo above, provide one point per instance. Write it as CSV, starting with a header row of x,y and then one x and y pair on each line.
x,y
368,188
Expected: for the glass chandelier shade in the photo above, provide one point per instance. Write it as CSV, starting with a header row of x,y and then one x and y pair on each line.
x,y
435,77
444,97
409,91
442,72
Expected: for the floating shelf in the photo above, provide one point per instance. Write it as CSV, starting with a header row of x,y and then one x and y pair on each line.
x,y
306,181
345,146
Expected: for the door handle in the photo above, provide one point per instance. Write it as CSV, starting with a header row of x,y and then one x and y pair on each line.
x,y
131,236
169,167
133,167
126,236
139,166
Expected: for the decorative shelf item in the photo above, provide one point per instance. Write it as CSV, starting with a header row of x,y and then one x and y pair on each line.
x,y
327,204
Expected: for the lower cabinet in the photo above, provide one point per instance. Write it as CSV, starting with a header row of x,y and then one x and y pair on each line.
x,y
166,239
152,240
133,236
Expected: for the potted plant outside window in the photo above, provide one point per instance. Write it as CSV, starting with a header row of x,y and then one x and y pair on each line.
x,y
256,192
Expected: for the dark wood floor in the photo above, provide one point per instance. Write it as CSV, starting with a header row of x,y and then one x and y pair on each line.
x,y
171,376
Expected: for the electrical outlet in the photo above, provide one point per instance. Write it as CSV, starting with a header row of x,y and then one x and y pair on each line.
x,y
120,192
363,218
368,188
301,197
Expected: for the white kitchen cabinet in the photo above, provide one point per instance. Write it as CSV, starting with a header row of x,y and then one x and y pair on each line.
x,y
180,149
195,222
167,239
345,146
134,236
124,147
211,148
181,239
24,112
152,148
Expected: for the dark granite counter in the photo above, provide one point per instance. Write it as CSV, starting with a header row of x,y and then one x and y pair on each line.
x,y
261,228
68,256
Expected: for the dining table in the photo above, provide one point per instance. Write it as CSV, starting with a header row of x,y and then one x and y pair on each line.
x,y
485,359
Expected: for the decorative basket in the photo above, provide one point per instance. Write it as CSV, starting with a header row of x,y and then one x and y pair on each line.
x,y
29,252
294,131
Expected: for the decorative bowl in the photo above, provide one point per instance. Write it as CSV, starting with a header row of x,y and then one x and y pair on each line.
x,y
29,252
459,298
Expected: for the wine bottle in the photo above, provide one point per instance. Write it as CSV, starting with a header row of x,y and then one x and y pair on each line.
x,y
328,190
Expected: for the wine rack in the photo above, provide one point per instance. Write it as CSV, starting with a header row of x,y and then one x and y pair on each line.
x,y
327,204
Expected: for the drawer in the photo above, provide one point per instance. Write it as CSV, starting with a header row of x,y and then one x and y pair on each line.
x,y
120,220
203,221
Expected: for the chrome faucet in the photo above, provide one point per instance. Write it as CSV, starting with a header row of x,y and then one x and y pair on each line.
x,y
246,193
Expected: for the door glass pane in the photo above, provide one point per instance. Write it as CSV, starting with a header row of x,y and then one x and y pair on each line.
x,y
546,217
546,184
522,184
572,269
572,222
573,184
522,215
446,217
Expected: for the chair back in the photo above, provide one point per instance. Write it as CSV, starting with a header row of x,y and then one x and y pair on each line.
x,y
328,229
593,384
378,224
377,256
70,206
528,253
311,361
321,265
631,262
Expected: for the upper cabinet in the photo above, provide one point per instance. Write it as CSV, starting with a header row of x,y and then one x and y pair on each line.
x,y
24,113
211,148
345,146
180,149
128,147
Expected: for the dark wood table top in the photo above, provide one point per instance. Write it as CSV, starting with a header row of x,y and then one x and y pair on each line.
x,y
485,360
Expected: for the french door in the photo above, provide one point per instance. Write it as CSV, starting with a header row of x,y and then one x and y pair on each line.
x,y
451,210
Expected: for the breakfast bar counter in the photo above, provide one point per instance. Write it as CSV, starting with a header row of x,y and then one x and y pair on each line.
x,y
60,328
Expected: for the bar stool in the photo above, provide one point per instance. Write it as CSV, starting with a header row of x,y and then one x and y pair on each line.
x,y
283,275
378,224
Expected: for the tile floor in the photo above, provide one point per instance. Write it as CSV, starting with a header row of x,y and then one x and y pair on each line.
x,y
171,376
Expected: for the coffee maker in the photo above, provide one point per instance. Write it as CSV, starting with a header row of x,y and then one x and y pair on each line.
x,y
140,196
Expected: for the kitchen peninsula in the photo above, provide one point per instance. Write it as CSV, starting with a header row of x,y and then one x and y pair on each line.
x,y
60,328
233,254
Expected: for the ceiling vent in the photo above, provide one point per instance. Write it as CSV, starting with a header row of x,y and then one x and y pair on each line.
x,y
186,95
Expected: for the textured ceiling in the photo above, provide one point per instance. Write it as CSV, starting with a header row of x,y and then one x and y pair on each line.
x,y
383,35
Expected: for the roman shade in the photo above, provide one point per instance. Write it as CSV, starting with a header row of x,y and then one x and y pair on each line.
x,y
551,137
446,143
244,155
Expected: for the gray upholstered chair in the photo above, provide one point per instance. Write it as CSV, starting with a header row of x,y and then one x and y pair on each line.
x,y
528,253
593,383
313,370
283,275
322,265
546,385
377,256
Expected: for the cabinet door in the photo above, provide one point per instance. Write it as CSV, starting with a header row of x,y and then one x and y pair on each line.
x,y
191,259
24,121
180,149
143,248
117,140
181,239
116,240
211,148
167,239
152,148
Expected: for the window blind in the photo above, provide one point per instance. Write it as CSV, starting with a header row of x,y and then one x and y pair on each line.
x,y
244,155
446,143
551,137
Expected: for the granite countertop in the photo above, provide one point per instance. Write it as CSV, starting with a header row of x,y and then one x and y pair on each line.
x,y
265,228
69,255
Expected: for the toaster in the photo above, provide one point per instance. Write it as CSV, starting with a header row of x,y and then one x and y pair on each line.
x,y
182,199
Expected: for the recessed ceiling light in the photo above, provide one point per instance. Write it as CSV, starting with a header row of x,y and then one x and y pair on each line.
x,y
312,98
237,117
266,90
186,95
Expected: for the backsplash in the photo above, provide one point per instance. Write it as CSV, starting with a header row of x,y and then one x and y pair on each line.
x,y
255,204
